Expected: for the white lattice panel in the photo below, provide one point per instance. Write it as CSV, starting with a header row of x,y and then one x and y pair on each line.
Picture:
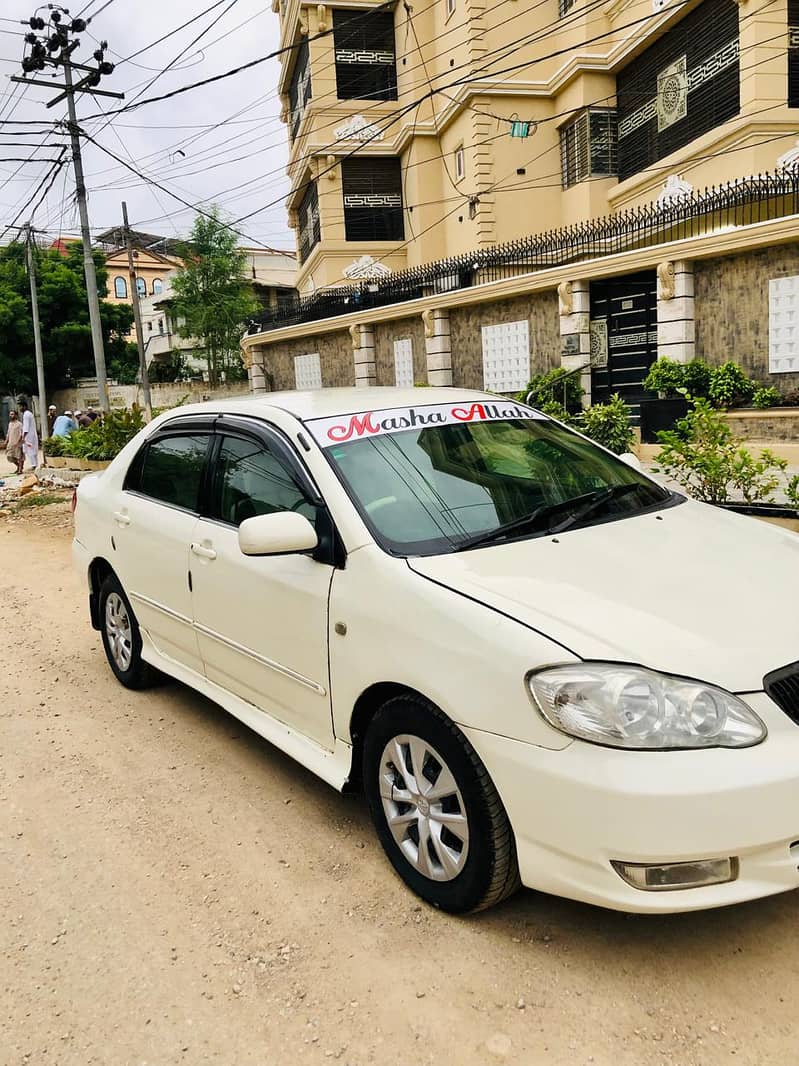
x,y
307,371
403,362
783,325
506,356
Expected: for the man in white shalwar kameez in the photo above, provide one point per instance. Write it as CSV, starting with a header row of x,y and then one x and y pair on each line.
x,y
30,438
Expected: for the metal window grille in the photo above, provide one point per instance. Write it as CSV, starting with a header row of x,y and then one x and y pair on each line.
x,y
740,203
299,87
684,85
565,6
793,53
372,189
365,55
588,146
308,219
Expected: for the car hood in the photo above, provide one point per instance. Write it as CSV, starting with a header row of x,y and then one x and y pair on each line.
x,y
690,590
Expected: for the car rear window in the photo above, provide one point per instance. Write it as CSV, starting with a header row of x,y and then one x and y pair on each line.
x,y
171,470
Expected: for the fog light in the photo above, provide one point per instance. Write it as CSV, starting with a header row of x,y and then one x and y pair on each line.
x,y
670,876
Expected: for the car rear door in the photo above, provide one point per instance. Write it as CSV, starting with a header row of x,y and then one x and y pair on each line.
x,y
152,531
262,622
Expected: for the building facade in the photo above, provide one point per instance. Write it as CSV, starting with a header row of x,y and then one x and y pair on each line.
x,y
481,192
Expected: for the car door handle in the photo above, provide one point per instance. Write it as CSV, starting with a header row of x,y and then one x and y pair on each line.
x,y
204,553
121,518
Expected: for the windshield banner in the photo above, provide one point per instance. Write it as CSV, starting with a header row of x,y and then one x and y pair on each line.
x,y
345,428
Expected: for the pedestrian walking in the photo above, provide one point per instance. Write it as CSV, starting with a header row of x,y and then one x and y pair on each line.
x,y
52,414
64,425
14,441
30,438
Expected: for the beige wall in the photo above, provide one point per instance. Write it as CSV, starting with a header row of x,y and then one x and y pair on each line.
x,y
168,395
556,73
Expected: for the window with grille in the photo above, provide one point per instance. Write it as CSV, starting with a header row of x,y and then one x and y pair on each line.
x,y
366,62
372,190
588,146
299,87
684,85
308,371
403,362
309,232
793,53
565,6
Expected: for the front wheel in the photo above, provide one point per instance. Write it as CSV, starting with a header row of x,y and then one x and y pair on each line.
x,y
122,639
436,811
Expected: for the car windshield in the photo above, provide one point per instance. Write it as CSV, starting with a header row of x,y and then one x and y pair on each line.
x,y
448,484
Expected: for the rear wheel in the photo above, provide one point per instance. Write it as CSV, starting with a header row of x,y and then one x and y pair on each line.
x,y
122,639
436,811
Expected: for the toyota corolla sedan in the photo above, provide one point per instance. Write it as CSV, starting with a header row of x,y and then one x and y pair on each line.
x,y
541,667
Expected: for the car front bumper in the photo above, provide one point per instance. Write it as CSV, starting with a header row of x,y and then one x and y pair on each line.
x,y
574,811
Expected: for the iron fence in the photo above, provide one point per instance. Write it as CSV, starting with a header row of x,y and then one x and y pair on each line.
x,y
741,202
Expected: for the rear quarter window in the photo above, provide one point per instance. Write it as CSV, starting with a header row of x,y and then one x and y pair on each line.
x,y
170,470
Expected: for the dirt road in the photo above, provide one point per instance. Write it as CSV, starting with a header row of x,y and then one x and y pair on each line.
x,y
174,890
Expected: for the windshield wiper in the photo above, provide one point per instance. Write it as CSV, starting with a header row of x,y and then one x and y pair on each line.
x,y
579,506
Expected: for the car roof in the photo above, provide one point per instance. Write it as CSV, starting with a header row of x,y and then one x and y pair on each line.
x,y
327,402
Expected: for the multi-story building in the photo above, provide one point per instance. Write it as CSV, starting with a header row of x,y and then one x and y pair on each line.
x,y
424,136
423,131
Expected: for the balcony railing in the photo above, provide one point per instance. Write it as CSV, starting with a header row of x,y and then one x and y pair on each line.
x,y
742,202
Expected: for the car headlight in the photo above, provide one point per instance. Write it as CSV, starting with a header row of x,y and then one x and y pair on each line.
x,y
631,707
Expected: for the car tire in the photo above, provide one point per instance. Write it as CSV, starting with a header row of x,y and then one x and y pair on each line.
x,y
436,811
122,639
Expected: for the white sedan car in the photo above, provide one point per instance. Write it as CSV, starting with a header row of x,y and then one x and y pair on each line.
x,y
541,667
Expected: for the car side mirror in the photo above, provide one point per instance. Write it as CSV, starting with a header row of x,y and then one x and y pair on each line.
x,y
631,459
281,533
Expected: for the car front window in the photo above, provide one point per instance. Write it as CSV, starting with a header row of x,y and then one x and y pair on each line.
x,y
435,487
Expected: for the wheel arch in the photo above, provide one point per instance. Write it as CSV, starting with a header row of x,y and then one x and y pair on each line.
x,y
99,569
366,707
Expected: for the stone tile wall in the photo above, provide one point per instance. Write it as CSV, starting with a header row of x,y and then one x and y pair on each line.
x,y
777,424
335,358
541,309
386,334
731,307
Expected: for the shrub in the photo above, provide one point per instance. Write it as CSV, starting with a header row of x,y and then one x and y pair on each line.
x,y
702,456
792,491
665,376
54,445
696,377
766,396
609,424
556,410
729,385
554,385
105,437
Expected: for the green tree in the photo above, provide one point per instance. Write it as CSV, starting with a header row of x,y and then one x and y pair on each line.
x,y
64,315
212,299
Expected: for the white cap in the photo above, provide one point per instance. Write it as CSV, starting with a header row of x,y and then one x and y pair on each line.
x,y
68,414
77,412
52,407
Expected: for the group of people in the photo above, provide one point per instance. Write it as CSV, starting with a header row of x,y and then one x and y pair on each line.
x,y
61,425
22,438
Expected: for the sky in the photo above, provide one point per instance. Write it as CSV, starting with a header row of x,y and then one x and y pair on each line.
x,y
240,166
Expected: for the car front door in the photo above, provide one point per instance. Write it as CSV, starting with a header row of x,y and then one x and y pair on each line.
x,y
152,527
262,622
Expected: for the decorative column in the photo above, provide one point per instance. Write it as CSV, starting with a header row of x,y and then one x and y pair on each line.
x,y
675,311
438,346
363,348
574,304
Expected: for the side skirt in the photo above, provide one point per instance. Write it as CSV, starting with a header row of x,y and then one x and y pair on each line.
x,y
332,766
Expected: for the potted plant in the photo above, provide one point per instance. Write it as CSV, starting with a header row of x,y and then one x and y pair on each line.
x,y
667,379
703,457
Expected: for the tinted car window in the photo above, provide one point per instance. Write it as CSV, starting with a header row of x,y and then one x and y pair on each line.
x,y
172,470
251,480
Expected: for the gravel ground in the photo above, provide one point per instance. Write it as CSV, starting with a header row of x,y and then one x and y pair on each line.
x,y
176,891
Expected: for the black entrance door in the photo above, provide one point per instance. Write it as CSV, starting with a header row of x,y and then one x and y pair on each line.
x,y
623,327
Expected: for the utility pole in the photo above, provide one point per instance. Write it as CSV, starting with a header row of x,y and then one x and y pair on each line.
x,y
37,332
134,292
51,45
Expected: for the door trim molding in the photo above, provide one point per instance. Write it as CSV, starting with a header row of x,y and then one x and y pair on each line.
x,y
160,607
270,663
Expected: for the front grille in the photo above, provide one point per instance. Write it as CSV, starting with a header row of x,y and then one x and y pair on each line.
x,y
783,687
